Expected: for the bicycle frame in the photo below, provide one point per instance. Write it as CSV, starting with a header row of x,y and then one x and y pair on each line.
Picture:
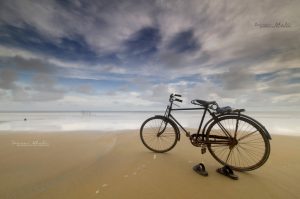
x,y
206,109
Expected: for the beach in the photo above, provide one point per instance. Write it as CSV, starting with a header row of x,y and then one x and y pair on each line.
x,y
88,164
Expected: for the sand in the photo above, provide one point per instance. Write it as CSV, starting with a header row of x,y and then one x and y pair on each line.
x,y
87,165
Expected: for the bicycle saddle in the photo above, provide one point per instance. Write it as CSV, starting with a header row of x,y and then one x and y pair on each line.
x,y
202,102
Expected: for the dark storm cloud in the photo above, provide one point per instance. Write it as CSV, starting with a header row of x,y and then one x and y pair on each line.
x,y
142,45
26,37
184,42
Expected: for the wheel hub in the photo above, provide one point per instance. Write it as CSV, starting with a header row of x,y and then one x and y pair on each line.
x,y
233,143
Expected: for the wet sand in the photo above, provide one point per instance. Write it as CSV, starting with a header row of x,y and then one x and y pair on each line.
x,y
117,165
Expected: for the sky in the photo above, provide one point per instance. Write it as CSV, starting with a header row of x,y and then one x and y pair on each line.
x,y
130,55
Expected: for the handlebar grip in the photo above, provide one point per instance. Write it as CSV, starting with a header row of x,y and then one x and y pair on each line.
x,y
177,95
178,100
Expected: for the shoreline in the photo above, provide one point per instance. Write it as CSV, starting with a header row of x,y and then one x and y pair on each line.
x,y
6,132
275,123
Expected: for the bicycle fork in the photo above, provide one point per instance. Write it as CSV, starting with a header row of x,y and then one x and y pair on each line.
x,y
163,123
160,129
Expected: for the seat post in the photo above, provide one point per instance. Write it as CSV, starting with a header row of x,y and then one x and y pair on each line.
x,y
203,116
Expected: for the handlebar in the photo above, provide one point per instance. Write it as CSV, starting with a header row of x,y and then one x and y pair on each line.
x,y
173,97
178,100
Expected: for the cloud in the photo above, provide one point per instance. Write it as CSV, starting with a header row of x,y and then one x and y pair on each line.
x,y
56,20
13,52
32,64
42,88
19,93
7,79
284,82
287,100
85,89
237,78
213,33
207,49
38,14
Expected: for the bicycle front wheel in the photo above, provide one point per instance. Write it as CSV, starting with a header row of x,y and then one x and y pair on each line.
x,y
238,143
158,135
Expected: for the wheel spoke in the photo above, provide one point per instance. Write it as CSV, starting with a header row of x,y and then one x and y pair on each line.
x,y
245,136
228,155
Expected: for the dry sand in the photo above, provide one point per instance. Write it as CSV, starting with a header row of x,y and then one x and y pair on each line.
x,y
87,165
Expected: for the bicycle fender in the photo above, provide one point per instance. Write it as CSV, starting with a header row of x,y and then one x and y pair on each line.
x,y
172,123
250,118
259,124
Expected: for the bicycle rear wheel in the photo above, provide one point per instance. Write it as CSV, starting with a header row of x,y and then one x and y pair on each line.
x,y
158,135
246,151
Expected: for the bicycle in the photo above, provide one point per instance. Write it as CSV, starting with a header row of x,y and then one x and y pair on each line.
x,y
235,140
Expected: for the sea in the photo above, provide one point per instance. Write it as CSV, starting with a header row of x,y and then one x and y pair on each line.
x,y
283,123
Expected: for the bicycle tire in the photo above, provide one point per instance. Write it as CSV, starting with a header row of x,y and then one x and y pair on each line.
x,y
248,151
149,134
